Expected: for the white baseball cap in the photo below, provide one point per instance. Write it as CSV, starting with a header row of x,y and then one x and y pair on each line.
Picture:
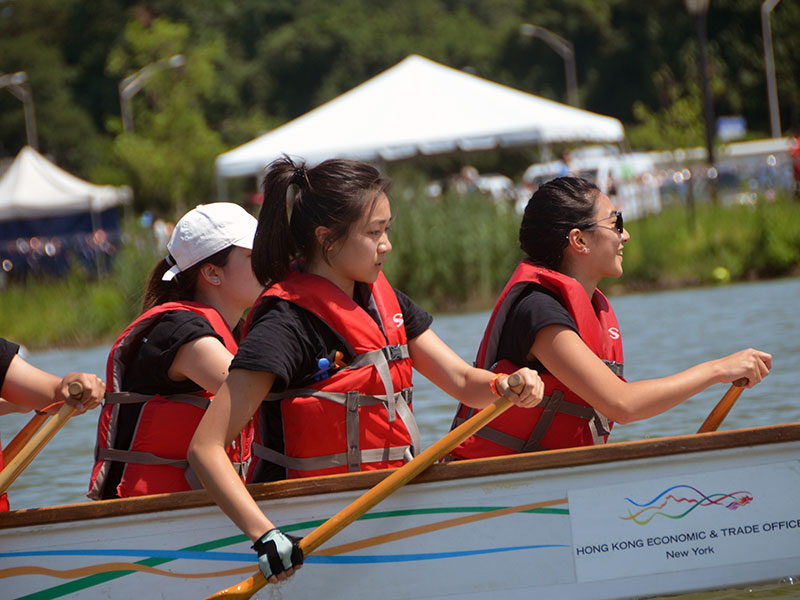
x,y
207,229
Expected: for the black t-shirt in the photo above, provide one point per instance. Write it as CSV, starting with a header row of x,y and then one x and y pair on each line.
x,y
146,372
8,350
288,341
147,369
536,308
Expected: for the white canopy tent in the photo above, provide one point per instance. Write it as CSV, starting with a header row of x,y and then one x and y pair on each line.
x,y
419,107
33,187
49,216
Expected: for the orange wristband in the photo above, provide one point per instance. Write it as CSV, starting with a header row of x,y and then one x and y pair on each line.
x,y
493,385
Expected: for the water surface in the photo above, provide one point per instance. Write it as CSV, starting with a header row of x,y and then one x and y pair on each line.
x,y
663,333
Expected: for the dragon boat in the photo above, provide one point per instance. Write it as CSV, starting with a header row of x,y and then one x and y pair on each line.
x,y
635,519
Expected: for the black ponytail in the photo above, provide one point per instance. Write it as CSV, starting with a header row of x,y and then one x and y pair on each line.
x,y
274,247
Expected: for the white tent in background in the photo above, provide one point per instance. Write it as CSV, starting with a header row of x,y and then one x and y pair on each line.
x,y
48,215
420,107
33,187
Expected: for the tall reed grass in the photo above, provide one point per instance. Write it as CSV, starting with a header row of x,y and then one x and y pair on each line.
x,y
454,253
750,241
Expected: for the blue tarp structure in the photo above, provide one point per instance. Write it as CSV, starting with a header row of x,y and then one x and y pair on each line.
x,y
49,217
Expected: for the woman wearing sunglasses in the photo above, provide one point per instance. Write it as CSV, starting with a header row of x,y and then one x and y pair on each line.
x,y
552,318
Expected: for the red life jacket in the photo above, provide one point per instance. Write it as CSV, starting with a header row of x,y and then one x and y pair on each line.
x,y
359,418
3,497
562,419
155,462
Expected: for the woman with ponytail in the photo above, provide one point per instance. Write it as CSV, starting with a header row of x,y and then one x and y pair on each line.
x,y
327,357
165,368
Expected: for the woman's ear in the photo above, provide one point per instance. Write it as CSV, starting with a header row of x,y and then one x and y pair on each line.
x,y
321,235
576,241
210,273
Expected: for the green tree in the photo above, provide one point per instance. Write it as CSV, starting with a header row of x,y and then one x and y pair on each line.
x,y
679,121
32,43
172,147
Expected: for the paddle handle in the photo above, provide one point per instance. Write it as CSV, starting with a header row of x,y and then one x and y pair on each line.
x,y
398,478
28,452
723,407
515,382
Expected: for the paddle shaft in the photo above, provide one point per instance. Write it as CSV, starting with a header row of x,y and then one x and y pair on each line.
x,y
723,407
405,473
382,490
28,452
24,436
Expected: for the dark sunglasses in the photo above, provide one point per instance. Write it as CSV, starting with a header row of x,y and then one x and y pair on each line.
x,y
618,224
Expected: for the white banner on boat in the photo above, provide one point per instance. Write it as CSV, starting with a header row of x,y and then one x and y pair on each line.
x,y
701,520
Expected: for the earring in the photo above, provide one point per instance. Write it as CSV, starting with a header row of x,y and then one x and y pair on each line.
x,y
586,251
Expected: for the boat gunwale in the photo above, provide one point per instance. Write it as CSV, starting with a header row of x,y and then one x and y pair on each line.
x,y
498,465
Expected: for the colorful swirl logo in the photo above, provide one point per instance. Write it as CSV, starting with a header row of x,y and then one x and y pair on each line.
x,y
679,500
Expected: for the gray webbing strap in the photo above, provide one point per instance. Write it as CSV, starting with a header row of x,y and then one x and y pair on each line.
x,y
141,458
551,404
380,360
403,405
192,479
598,424
134,398
397,404
352,401
390,353
491,434
351,418
330,460
459,420
401,401
148,458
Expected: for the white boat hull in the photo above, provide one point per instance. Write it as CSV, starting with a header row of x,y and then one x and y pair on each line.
x,y
625,520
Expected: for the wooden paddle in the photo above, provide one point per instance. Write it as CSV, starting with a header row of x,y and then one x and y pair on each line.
x,y
381,491
24,456
24,435
723,407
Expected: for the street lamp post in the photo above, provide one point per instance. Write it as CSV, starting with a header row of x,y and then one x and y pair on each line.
x,y
18,85
132,84
564,49
699,10
769,65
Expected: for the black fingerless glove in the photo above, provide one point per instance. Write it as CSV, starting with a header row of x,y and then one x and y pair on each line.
x,y
277,552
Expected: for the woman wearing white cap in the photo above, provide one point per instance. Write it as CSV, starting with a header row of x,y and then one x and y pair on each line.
x,y
166,366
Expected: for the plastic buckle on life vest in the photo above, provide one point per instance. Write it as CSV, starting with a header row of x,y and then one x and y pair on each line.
x,y
393,353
